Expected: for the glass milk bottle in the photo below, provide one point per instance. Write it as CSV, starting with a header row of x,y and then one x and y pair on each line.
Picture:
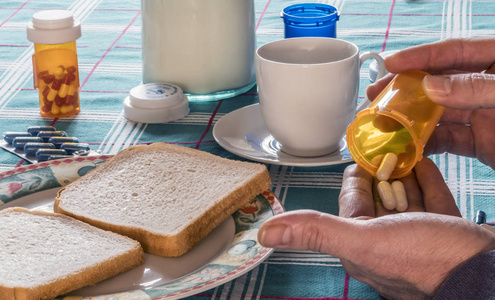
x,y
206,47
55,67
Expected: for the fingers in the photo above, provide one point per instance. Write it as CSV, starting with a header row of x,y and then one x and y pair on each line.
x,y
373,90
482,124
463,91
453,138
472,55
311,230
456,116
437,196
414,193
356,197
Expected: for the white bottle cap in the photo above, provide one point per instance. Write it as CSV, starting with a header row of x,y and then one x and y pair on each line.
x,y
156,103
53,27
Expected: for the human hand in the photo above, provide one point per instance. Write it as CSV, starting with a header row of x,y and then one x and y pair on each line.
x,y
464,82
401,255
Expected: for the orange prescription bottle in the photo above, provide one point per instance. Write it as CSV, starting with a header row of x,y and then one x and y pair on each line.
x,y
400,121
55,67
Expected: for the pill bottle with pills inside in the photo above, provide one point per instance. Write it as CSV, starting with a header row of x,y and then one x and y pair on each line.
x,y
399,121
55,68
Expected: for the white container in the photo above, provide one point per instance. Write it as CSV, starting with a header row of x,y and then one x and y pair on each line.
x,y
206,47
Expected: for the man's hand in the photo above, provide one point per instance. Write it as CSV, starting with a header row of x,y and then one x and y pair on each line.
x,y
462,81
402,256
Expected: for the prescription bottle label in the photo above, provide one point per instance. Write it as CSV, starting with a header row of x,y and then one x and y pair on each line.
x,y
56,76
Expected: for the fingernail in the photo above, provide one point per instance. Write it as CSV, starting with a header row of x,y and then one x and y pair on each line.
x,y
438,85
275,235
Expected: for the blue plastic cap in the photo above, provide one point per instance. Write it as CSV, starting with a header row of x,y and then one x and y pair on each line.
x,y
310,19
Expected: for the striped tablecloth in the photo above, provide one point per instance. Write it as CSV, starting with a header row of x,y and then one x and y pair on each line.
x,y
110,65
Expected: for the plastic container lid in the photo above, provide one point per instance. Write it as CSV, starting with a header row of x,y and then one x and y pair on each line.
x,y
156,103
310,14
53,27
310,19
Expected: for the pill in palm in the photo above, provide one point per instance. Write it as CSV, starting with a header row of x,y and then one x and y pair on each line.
x,y
386,167
387,195
400,195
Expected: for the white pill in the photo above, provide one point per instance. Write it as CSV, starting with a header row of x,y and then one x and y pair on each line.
x,y
386,195
386,167
400,195
377,160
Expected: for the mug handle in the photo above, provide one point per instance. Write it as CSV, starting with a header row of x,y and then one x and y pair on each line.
x,y
381,72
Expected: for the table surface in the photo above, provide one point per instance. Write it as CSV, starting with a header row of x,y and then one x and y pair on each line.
x,y
110,65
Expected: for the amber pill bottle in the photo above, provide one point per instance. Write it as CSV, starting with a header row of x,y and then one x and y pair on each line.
x,y
55,66
400,121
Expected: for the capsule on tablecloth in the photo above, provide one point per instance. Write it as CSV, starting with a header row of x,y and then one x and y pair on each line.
x,y
33,130
72,148
46,135
59,140
11,135
19,142
44,154
32,148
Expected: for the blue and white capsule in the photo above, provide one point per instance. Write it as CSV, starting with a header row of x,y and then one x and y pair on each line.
x,y
44,154
72,148
46,135
19,142
32,148
59,140
33,130
11,135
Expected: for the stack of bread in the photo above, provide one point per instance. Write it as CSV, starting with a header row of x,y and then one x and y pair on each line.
x,y
161,198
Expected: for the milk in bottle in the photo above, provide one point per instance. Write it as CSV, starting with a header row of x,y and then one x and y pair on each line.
x,y
204,46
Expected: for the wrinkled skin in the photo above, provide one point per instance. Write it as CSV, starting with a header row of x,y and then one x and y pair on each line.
x,y
466,127
409,255
402,255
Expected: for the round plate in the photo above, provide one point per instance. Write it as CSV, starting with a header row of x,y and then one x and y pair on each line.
x,y
243,133
226,253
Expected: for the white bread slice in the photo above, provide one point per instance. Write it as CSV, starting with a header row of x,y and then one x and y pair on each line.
x,y
167,197
44,255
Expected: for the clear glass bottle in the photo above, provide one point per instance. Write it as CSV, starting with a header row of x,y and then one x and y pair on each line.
x,y
55,67
206,47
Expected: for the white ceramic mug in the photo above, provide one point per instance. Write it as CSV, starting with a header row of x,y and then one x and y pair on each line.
x,y
308,89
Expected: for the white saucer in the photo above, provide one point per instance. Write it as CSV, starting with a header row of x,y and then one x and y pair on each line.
x,y
243,133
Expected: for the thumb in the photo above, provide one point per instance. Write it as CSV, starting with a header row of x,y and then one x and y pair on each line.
x,y
461,91
310,230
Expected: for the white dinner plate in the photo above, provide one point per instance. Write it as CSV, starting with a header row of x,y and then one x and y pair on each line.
x,y
243,133
226,253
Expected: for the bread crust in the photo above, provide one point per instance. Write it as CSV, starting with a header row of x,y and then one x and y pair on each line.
x,y
176,245
84,277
